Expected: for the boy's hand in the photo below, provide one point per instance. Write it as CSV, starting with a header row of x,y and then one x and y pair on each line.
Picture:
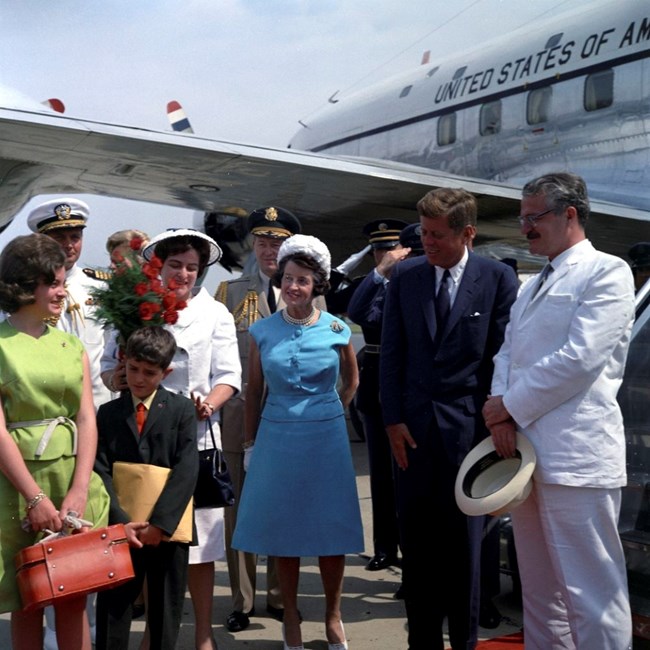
x,y
151,535
133,529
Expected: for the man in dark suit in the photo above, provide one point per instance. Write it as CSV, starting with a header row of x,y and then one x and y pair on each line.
x,y
149,425
444,320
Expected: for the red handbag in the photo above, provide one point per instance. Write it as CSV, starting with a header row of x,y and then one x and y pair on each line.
x,y
73,565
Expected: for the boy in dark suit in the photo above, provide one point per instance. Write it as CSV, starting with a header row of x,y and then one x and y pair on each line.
x,y
161,433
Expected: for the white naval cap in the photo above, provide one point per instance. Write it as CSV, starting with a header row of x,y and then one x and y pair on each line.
x,y
58,213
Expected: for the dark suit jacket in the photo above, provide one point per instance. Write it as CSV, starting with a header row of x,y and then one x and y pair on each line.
x,y
168,440
449,380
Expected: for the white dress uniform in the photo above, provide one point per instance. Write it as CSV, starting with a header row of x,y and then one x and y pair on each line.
x,y
77,318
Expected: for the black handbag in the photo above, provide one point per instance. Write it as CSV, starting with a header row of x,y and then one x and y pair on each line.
x,y
214,485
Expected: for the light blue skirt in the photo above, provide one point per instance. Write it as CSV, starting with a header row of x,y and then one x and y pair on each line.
x,y
300,496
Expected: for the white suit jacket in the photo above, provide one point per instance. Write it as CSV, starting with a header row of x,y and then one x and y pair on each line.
x,y
561,365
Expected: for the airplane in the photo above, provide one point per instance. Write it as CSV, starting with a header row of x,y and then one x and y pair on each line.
x,y
348,176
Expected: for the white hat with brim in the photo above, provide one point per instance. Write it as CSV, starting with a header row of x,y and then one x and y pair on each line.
x,y
215,251
488,484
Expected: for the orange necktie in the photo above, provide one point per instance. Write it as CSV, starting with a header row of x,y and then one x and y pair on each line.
x,y
140,416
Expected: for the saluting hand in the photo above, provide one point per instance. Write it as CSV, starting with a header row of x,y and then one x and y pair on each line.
x,y
390,258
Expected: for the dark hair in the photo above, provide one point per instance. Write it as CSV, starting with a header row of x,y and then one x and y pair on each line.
x,y
458,205
561,190
26,262
182,244
153,345
321,284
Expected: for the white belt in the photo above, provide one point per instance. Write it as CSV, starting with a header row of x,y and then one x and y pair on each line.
x,y
49,430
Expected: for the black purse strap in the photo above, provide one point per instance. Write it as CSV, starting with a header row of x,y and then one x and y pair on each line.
x,y
219,462
214,442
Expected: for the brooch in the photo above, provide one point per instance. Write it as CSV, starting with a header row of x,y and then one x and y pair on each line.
x,y
335,326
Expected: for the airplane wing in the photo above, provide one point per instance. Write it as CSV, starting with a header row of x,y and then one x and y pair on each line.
x,y
51,153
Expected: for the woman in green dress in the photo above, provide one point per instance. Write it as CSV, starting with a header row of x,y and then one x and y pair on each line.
x,y
48,434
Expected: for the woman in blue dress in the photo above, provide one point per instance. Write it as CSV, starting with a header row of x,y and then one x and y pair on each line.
x,y
299,497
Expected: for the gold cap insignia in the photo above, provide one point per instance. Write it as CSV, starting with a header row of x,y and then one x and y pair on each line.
x,y
270,214
382,226
62,211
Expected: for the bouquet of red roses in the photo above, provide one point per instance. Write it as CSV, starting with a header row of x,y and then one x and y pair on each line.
x,y
134,296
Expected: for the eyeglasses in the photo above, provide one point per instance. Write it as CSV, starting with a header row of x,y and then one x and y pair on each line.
x,y
532,219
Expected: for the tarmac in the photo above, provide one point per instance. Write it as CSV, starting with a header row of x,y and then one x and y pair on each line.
x,y
373,619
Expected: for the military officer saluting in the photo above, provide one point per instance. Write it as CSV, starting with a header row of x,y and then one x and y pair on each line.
x,y
64,220
366,308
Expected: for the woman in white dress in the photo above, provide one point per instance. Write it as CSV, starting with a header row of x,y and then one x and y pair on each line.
x,y
205,368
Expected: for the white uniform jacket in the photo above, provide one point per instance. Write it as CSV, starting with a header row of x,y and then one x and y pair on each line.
x,y
561,365
77,318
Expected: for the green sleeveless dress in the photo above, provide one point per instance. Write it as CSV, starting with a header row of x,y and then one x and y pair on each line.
x,y
39,379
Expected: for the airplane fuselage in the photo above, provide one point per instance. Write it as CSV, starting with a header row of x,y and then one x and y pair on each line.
x,y
570,93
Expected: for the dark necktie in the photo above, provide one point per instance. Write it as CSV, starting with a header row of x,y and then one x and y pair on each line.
x,y
443,301
543,276
270,298
140,416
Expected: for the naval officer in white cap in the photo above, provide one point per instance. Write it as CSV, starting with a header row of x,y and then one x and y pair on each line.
x,y
64,220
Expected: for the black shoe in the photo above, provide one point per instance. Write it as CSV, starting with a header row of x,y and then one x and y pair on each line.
x,y
238,621
138,610
399,594
381,561
278,613
275,612
489,616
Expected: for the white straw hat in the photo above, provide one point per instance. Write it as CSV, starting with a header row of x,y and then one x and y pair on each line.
x,y
488,484
215,251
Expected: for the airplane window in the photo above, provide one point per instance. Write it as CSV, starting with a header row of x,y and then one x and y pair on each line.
x,y
539,105
490,118
446,129
459,73
432,71
405,91
554,40
599,90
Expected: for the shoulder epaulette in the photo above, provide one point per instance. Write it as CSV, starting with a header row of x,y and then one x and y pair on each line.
x,y
247,309
221,293
98,274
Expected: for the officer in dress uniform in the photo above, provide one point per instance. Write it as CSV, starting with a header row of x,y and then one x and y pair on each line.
x,y
64,220
366,309
249,298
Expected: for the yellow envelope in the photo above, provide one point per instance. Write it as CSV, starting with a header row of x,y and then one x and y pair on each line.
x,y
138,487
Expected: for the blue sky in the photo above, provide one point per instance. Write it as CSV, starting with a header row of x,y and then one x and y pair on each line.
x,y
244,70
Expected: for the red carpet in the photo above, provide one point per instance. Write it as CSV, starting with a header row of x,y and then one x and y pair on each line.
x,y
510,642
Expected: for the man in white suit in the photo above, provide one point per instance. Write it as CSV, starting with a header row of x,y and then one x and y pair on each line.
x,y
555,379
